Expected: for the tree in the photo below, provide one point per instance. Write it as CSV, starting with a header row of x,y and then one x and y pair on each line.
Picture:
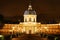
x,y
1,21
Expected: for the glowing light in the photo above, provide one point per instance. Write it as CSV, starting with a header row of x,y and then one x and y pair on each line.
x,y
13,28
25,23
40,29
1,35
30,6
34,23
10,30
45,27
24,29
35,29
59,23
39,23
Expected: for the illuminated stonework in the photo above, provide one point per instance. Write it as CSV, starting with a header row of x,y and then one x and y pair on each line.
x,y
30,25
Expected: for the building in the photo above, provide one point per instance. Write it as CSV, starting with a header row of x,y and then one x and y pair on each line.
x,y
30,25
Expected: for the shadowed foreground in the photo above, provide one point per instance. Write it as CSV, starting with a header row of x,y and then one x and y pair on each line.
x,y
29,37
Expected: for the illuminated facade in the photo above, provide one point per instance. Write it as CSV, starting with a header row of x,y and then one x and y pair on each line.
x,y
30,20
30,25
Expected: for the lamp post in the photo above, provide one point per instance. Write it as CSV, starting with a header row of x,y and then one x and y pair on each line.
x,y
55,38
11,31
1,37
18,31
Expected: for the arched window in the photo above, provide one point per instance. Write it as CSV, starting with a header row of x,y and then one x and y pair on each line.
x,y
30,19
34,20
25,20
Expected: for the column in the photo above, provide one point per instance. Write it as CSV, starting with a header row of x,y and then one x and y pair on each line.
x,y
35,29
23,30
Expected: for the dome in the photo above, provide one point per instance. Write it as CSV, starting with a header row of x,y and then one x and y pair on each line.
x,y
30,11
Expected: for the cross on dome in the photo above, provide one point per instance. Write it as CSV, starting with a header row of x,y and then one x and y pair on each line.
x,y
30,7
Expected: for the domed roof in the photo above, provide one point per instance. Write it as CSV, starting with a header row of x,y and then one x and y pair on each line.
x,y
30,11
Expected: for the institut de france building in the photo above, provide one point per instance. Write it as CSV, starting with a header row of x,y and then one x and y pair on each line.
x,y
30,25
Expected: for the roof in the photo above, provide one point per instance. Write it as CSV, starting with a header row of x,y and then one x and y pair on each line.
x,y
30,11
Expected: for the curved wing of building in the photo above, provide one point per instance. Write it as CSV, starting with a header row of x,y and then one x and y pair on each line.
x,y
30,25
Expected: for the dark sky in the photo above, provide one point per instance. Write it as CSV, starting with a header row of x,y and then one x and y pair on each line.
x,y
10,8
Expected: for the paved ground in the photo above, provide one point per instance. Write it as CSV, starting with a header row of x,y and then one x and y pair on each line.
x,y
29,37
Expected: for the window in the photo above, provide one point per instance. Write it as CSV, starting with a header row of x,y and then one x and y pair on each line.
x,y
34,20
30,19
25,20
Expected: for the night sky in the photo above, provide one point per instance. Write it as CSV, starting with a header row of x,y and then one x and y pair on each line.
x,y
11,8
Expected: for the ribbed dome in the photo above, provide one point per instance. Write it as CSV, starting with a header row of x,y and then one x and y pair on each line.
x,y
30,11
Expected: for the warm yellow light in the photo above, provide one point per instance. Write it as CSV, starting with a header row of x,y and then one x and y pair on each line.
x,y
34,23
40,29
35,29
23,29
59,23
1,35
39,23
25,23
45,27
10,30
13,28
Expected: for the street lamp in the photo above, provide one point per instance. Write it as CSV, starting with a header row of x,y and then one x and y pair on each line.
x,y
11,31
1,37
18,32
55,38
